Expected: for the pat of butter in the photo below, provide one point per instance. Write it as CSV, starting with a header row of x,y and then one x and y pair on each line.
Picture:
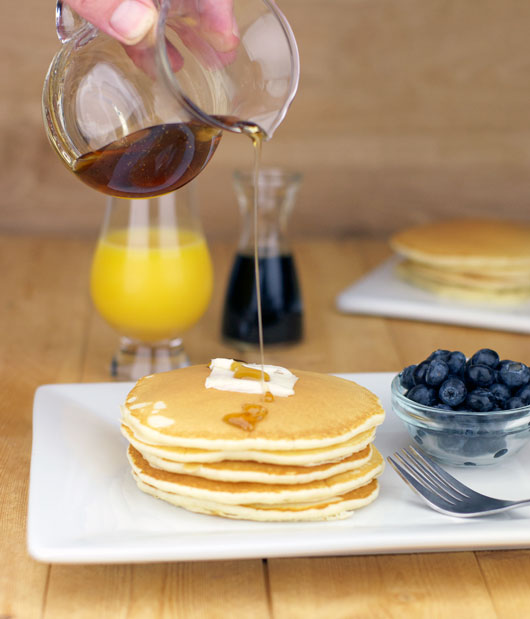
x,y
221,377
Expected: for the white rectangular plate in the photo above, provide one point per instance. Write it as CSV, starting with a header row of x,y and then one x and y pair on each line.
x,y
84,506
382,293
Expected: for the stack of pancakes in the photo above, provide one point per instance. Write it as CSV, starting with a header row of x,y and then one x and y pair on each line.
x,y
310,458
470,259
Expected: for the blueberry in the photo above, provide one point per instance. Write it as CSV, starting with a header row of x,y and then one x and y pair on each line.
x,y
480,400
456,362
483,446
485,356
500,453
452,391
514,402
479,375
524,393
419,373
514,374
436,373
498,369
444,407
406,377
501,393
443,355
422,395
453,443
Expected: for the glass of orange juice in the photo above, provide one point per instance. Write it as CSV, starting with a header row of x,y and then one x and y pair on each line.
x,y
151,280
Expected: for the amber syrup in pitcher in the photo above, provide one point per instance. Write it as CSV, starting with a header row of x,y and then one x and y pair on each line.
x,y
149,162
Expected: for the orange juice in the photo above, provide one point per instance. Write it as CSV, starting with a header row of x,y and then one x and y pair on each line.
x,y
151,284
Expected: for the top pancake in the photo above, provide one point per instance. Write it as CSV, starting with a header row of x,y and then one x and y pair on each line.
x,y
323,411
466,242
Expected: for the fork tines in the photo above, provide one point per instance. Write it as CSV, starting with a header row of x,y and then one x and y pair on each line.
x,y
435,485
418,481
441,490
438,478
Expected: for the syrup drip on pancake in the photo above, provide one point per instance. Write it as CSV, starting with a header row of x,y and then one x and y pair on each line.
x,y
252,413
247,419
243,371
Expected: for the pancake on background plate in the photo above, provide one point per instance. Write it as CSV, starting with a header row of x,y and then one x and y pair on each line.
x,y
469,259
218,440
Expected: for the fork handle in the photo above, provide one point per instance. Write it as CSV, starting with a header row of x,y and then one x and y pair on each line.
x,y
518,503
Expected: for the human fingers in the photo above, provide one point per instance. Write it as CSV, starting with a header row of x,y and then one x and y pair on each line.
x,y
209,57
143,57
218,25
128,21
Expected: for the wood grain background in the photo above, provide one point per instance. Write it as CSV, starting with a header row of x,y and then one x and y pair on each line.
x,y
407,111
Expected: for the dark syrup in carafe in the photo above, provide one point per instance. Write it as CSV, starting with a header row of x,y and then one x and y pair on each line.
x,y
263,303
151,161
281,304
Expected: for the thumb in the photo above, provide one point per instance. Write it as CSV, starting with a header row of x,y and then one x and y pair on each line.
x,y
128,21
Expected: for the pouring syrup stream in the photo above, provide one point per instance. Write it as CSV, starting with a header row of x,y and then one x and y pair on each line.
x,y
256,135
254,413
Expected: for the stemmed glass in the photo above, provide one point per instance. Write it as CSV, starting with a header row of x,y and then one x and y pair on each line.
x,y
151,280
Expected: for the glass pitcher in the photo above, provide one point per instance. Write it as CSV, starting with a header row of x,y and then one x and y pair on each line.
x,y
143,120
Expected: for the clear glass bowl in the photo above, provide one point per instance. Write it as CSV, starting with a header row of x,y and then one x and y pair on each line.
x,y
462,438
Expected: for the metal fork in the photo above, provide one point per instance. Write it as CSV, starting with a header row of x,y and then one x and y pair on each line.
x,y
442,491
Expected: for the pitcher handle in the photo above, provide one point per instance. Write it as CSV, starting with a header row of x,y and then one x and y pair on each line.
x,y
69,25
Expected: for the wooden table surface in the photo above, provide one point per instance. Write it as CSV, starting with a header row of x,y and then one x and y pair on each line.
x,y
51,334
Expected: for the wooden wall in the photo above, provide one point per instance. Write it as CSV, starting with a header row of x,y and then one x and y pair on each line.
x,y
406,111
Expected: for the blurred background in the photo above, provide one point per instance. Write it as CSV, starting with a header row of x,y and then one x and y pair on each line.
x,y
406,111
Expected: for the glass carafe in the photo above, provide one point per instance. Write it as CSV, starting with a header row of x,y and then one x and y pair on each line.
x,y
281,301
143,120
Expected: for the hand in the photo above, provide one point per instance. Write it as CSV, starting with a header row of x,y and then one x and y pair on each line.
x,y
129,21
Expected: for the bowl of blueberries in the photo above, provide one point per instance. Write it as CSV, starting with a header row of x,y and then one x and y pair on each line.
x,y
465,411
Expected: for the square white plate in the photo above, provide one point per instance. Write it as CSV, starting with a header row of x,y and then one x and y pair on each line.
x,y
382,293
84,506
